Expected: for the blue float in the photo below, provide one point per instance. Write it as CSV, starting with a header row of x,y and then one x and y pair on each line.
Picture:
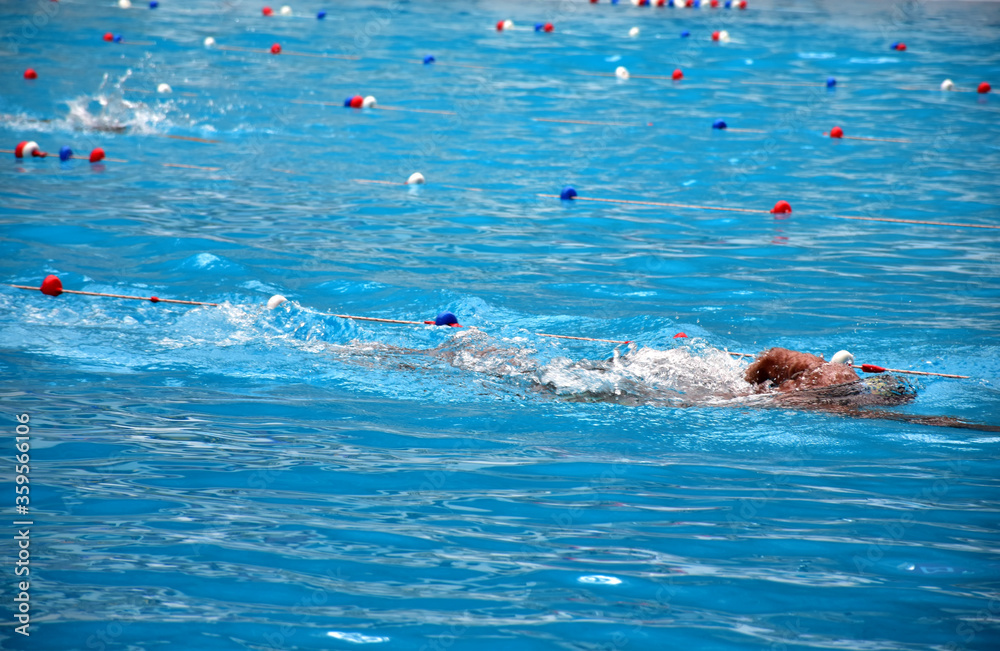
x,y
153,4
830,82
321,15
685,34
719,124
117,38
429,59
568,193
446,318
65,153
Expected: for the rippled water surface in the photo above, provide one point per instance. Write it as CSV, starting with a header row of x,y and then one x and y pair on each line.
x,y
234,477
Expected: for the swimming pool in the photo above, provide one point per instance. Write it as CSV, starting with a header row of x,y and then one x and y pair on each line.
x,y
236,477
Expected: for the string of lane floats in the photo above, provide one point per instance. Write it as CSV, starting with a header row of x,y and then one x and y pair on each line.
x,y
52,286
31,149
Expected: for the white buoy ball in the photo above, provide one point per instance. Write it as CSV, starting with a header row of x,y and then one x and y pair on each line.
x,y
368,102
28,150
164,88
415,179
275,301
209,41
124,4
286,11
947,84
621,72
633,32
724,36
842,357
508,24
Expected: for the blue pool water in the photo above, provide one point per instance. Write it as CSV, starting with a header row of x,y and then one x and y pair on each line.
x,y
237,478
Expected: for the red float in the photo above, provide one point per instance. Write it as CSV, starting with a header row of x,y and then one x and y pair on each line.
x,y
51,286
781,207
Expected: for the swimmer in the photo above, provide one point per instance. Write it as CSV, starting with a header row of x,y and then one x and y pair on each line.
x,y
787,370
678,377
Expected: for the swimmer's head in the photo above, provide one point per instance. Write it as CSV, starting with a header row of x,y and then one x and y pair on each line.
x,y
842,357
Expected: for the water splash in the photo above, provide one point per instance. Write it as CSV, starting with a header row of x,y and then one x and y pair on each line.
x,y
107,110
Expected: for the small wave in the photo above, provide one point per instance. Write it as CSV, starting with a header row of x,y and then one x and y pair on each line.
x,y
817,55
873,60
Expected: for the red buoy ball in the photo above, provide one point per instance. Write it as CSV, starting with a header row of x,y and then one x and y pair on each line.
x,y
28,148
548,27
266,11
30,74
901,46
499,25
984,88
743,4
714,4
715,36
836,132
108,36
781,207
51,286
357,101
677,75
97,155
276,49
680,335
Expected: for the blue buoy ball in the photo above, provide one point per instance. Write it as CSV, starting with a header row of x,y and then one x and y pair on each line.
x,y
719,124
446,318
347,102
65,153
830,82
117,38
568,193
321,15
729,4
685,34
429,59
153,4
